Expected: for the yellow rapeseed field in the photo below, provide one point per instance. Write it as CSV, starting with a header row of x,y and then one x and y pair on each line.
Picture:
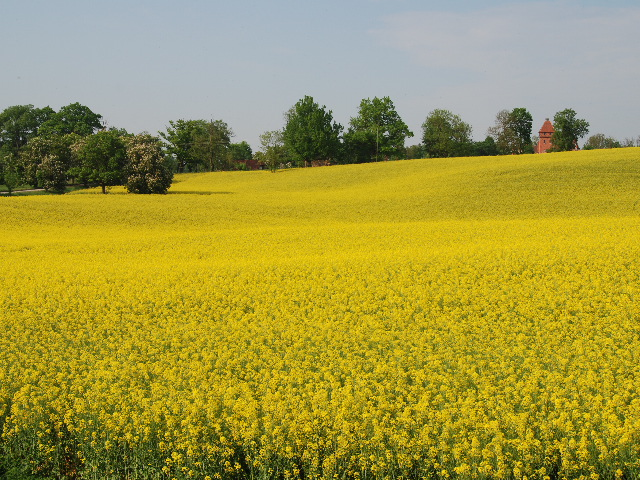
x,y
439,318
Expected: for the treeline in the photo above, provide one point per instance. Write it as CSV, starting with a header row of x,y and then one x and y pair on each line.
x,y
42,148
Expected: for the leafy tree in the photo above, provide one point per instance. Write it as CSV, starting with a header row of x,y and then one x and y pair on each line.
x,y
377,132
74,118
20,123
102,158
599,140
9,171
446,135
147,168
512,131
198,145
568,129
273,152
415,151
486,148
211,145
310,132
240,152
179,143
46,161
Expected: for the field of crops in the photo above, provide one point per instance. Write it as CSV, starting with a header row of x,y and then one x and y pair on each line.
x,y
439,318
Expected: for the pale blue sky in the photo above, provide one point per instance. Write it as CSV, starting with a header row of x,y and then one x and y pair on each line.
x,y
143,63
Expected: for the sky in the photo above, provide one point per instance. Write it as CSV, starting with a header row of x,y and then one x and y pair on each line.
x,y
143,63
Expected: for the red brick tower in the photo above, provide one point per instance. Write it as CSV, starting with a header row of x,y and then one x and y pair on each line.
x,y
545,133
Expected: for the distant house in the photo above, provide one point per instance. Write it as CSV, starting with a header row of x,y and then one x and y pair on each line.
x,y
544,143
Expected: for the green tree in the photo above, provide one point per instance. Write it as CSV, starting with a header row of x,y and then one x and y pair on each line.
x,y
9,171
211,145
73,118
198,145
415,151
148,170
446,135
600,140
568,129
310,132
377,132
101,158
20,123
179,143
46,162
485,148
512,131
273,152
239,154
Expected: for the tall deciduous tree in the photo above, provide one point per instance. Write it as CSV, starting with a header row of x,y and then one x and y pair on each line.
x,y
198,145
600,140
45,161
147,169
272,152
446,135
73,118
512,131
211,145
9,172
567,130
20,123
377,132
179,143
310,132
101,158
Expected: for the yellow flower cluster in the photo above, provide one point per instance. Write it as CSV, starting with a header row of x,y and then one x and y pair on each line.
x,y
442,318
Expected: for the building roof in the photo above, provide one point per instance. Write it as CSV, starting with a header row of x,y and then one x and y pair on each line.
x,y
547,127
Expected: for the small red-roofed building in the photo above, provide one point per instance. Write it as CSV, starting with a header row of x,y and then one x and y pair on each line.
x,y
544,143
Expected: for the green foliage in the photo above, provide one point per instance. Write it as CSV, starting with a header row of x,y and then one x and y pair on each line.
x,y
74,118
147,169
512,131
446,135
310,132
415,151
240,152
198,145
486,148
20,123
179,141
9,172
376,133
211,145
599,140
45,162
568,129
101,158
273,152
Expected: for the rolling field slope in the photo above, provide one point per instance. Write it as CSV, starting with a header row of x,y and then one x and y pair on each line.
x,y
436,318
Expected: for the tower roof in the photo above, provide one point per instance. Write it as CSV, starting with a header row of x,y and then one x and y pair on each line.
x,y
547,127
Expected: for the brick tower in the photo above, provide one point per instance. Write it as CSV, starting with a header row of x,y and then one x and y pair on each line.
x,y
545,133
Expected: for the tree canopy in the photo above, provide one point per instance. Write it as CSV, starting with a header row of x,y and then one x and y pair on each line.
x,y
310,133
20,123
147,168
600,140
101,158
74,118
377,132
512,131
198,145
446,135
568,129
